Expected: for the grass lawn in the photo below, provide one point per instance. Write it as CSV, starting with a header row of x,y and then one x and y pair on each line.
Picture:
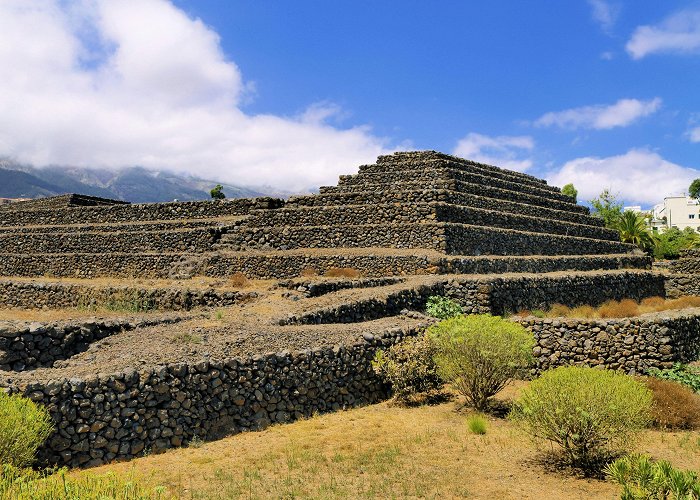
x,y
384,451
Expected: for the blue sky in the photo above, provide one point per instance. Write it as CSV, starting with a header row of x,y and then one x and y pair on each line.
x,y
291,94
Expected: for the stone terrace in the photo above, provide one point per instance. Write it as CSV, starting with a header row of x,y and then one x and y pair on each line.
x,y
291,341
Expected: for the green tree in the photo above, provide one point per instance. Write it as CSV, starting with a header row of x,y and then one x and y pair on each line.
x,y
694,189
217,193
673,240
570,190
633,229
606,207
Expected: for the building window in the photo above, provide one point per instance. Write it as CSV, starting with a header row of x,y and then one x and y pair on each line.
x,y
691,216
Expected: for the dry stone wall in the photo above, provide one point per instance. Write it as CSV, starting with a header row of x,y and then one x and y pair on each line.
x,y
445,194
124,415
496,295
41,295
468,188
179,240
630,344
137,212
29,345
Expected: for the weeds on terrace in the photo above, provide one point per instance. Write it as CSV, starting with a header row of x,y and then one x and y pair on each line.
x,y
342,272
127,301
477,424
615,309
187,338
238,280
643,478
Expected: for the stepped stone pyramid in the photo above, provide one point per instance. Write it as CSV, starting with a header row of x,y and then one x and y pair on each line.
x,y
431,204
410,213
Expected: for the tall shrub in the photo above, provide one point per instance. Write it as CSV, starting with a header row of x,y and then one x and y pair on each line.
x,y
24,426
589,413
479,354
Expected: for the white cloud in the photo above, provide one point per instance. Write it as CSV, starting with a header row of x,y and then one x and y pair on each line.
x,y
694,134
679,33
112,83
502,151
639,176
604,13
600,117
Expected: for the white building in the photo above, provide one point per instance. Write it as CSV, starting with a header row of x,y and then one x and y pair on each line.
x,y
678,211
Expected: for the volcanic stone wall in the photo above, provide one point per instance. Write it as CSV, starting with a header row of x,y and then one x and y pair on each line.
x,y
38,295
630,344
121,416
137,212
468,188
459,239
390,195
498,295
25,345
419,213
174,240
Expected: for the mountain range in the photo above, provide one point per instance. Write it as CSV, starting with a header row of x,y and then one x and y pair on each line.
x,y
134,184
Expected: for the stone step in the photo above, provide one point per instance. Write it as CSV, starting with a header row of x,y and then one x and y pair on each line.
x,y
127,226
421,195
185,240
415,159
407,168
462,187
431,173
422,212
138,212
450,238
370,262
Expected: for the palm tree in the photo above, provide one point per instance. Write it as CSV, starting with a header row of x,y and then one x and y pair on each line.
x,y
633,229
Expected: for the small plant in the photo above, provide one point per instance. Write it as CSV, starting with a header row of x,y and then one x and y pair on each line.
x,y
675,406
219,315
683,374
477,424
24,426
187,338
583,312
342,272
409,367
442,307
642,478
591,414
238,280
479,354
309,272
559,310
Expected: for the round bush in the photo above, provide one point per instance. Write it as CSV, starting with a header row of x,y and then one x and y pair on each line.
x,y
408,366
479,354
24,427
590,413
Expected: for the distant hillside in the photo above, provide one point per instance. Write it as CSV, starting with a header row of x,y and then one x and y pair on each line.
x,y
135,184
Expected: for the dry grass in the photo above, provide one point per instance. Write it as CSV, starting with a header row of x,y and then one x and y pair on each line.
x,y
616,309
308,272
342,272
675,406
238,280
384,451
